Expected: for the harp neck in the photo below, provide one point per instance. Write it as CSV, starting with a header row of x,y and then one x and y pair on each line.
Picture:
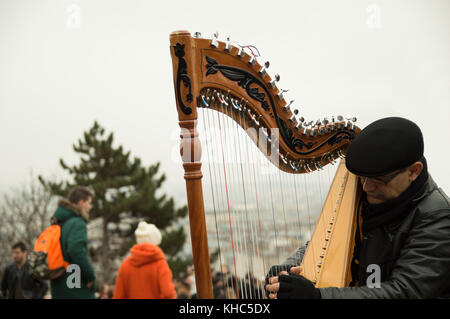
x,y
218,75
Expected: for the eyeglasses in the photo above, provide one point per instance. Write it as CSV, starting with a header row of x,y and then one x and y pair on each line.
x,y
382,180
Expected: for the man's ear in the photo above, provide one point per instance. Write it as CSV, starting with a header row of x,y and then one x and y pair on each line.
x,y
414,170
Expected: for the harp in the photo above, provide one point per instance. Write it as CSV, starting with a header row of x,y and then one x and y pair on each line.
x,y
228,82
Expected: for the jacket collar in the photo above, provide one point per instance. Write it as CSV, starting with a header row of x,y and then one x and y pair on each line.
x,y
430,186
73,208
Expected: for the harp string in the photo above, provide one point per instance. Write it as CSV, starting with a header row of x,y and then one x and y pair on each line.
x,y
253,159
248,226
300,231
212,188
236,179
268,174
294,225
217,188
230,280
230,197
241,211
309,220
238,188
225,216
282,220
253,220
258,225
248,220
286,240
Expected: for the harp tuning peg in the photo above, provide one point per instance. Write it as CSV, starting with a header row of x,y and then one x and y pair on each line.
x,y
264,68
320,131
295,111
214,42
334,127
340,118
301,119
273,82
280,94
228,44
197,35
292,118
287,107
241,52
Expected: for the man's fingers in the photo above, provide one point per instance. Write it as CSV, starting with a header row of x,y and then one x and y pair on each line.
x,y
273,280
284,273
296,270
272,296
273,288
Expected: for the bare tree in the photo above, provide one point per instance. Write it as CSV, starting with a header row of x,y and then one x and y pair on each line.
x,y
24,213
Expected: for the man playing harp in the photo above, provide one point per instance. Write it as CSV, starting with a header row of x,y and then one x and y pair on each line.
x,y
402,238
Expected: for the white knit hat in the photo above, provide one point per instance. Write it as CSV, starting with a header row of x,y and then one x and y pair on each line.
x,y
147,233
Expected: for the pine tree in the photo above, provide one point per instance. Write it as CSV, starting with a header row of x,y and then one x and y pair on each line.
x,y
124,189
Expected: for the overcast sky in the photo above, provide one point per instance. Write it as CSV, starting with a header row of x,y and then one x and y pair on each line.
x,y
64,64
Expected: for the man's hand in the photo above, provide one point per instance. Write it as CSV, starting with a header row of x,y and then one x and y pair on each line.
x,y
295,270
272,284
291,286
275,270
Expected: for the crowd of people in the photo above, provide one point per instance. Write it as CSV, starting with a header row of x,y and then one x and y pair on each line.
x,y
16,282
144,274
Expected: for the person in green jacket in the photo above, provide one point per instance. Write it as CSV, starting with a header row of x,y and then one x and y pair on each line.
x,y
72,214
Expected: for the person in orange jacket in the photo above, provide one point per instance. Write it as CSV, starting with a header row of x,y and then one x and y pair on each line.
x,y
145,274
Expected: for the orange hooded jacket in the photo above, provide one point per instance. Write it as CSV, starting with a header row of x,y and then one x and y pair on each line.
x,y
145,274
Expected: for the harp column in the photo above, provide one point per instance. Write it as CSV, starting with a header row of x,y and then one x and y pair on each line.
x,y
191,151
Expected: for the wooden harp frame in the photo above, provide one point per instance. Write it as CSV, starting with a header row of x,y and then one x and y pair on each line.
x,y
208,73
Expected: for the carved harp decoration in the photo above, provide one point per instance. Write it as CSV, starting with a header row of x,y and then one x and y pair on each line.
x,y
219,76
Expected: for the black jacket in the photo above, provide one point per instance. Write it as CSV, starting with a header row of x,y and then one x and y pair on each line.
x,y
413,253
31,288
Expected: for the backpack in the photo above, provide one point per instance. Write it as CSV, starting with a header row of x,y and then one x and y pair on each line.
x,y
46,260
